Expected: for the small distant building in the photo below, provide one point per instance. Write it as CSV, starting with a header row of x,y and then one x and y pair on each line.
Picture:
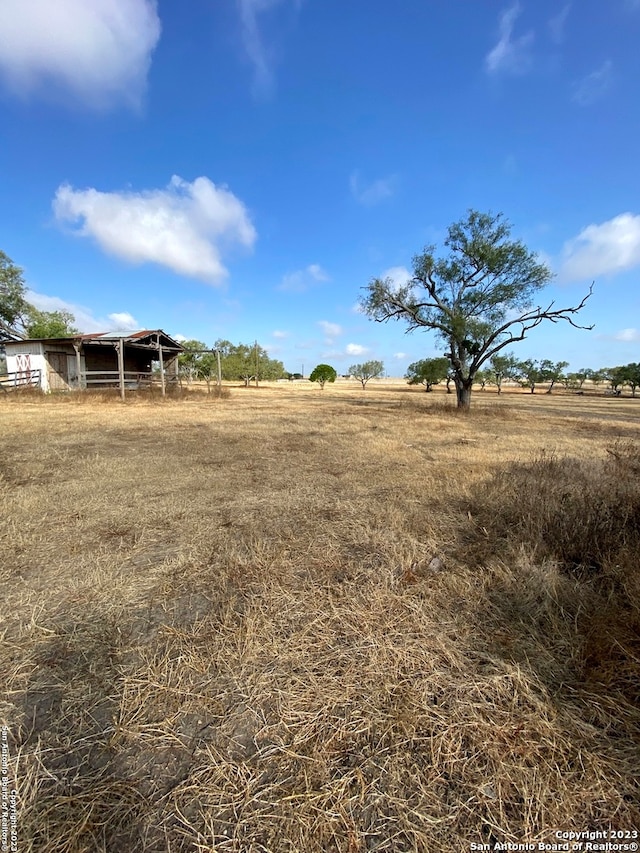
x,y
108,360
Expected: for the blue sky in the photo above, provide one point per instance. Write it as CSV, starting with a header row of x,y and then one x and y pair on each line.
x,y
240,169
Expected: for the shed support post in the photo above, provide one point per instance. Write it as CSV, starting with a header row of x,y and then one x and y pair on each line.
x,y
161,360
120,348
219,370
81,382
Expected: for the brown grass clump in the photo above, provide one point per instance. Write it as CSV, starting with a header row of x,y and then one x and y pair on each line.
x,y
583,513
294,621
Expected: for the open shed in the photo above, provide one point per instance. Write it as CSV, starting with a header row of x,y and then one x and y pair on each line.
x,y
107,360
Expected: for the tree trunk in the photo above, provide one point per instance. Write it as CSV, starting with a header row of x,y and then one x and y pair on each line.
x,y
463,394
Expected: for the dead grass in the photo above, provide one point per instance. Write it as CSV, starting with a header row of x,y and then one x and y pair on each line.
x,y
295,620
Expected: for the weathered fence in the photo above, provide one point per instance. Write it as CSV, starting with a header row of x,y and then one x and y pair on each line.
x,y
21,379
132,379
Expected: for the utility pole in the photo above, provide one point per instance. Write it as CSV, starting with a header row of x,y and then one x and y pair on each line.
x,y
219,371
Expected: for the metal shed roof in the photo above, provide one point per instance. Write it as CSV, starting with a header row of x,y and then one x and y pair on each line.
x,y
141,338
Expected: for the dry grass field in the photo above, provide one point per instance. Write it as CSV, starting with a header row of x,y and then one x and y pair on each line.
x,y
326,622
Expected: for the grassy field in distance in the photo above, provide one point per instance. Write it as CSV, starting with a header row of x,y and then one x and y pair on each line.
x,y
324,621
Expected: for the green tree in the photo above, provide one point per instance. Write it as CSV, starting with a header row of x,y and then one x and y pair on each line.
x,y
14,307
503,367
248,362
49,324
483,378
479,299
189,360
632,376
240,362
616,377
427,372
270,369
207,368
19,318
364,372
577,378
552,372
323,373
599,376
529,374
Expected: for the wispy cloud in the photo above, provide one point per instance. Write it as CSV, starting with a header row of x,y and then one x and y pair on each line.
x,y
605,249
510,55
627,335
184,226
302,280
400,355
85,320
370,193
99,51
280,334
331,330
557,24
259,51
594,86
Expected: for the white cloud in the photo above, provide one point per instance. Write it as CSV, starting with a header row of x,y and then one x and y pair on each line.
x,y
180,338
398,275
280,334
184,227
84,317
355,349
605,249
100,50
628,335
302,280
260,53
510,55
369,194
594,86
331,330
400,355
123,320
557,24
